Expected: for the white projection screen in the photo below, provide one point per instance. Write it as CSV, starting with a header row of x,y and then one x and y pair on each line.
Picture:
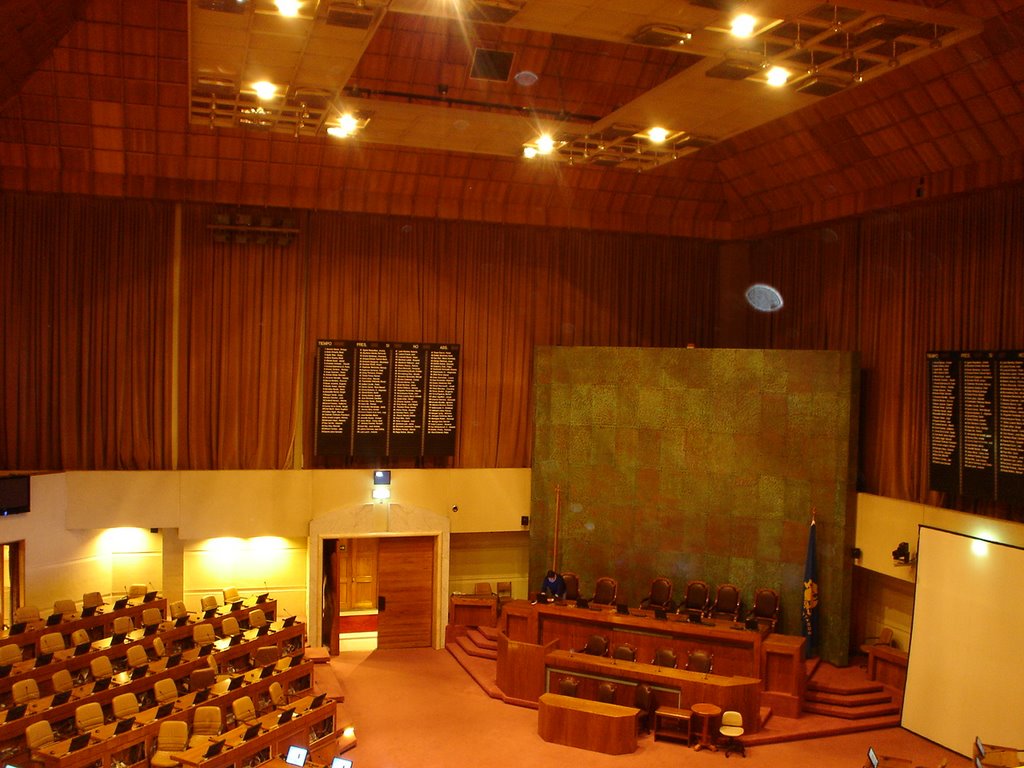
x,y
966,670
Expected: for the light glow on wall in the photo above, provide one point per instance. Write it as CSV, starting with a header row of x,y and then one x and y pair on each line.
x,y
125,539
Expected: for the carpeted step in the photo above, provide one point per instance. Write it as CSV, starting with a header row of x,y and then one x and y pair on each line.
x,y
482,671
481,640
467,645
852,713
848,700
491,633
845,687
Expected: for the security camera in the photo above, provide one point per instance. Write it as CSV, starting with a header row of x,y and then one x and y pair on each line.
x,y
455,507
901,555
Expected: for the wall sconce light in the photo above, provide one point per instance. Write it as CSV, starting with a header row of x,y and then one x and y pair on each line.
x,y
382,484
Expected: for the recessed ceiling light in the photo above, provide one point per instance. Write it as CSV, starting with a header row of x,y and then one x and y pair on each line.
x,y
529,152
288,7
777,76
743,25
264,90
657,135
545,144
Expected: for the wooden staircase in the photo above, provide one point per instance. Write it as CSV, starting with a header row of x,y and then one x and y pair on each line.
x,y
838,693
476,650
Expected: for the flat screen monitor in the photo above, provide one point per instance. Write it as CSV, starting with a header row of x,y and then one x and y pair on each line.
x,y
43,659
15,712
60,698
149,596
236,606
581,603
296,756
124,725
341,762
659,613
17,628
14,494
89,610
215,748
288,621
120,603
164,710
872,758
285,716
54,618
622,609
82,648
262,598
78,742
251,732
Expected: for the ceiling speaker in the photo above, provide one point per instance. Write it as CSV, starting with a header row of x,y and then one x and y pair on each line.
x,y
350,15
820,86
661,36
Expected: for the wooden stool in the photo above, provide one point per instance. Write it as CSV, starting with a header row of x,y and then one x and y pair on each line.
x,y
673,723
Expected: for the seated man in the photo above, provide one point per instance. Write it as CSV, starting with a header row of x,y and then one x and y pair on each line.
x,y
553,585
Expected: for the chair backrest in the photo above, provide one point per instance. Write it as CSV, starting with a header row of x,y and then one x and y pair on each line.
x,y
624,652
644,699
206,720
605,591
62,681
243,709
9,654
568,686
665,657
572,585
51,642
606,692
277,697
229,627
209,603
137,656
266,654
101,667
727,602
124,705
25,613
202,634
597,645
88,716
203,677
80,637
231,595
39,734
92,600
165,690
137,590
699,661
25,690
257,618
885,636
698,595
64,606
152,617
123,625
482,588
732,718
172,736
504,589
661,591
159,648
766,607
177,609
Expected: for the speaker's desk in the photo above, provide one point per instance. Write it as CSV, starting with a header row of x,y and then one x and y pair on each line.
x,y
593,725
672,687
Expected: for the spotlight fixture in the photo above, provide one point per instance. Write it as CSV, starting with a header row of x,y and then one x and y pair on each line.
x,y
743,25
264,90
657,135
777,76
288,7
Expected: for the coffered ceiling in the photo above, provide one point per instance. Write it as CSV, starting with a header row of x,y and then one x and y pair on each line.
x,y
885,102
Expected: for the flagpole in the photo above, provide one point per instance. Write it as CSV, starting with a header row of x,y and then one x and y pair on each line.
x,y
554,545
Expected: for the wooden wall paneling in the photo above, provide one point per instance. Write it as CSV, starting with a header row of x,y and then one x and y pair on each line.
x,y
406,579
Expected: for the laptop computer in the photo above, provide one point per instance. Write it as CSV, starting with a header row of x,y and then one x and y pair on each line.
x,y
267,671
173,660
118,637
60,698
236,683
263,630
149,596
215,748
341,762
120,603
296,659
235,639
164,709
317,700
659,613
15,712
17,628
54,618
288,621
102,684
285,716
138,672
237,605
581,603
210,613
262,598
206,649
78,742
43,659
124,725
5,670
251,732
872,758
89,610
622,609
201,696
296,756
82,648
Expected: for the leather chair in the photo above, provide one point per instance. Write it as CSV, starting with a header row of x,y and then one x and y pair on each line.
x,y
731,730
624,652
660,596
568,686
164,690
39,735
26,613
504,591
201,678
266,654
766,608
700,661
137,590
257,618
665,657
606,692
25,690
209,603
9,654
124,705
482,588
137,656
206,723
80,637
61,681
203,634
92,600
152,618
727,604
230,627
231,595
644,700
606,590
88,716
572,586
51,642
65,607
277,695
697,598
177,610
159,649
243,709
123,625
597,645
172,737
100,667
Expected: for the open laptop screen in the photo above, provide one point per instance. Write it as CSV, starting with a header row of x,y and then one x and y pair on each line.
x,y
872,758
296,756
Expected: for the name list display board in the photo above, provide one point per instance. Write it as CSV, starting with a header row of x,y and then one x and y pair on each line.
x,y
976,424
377,399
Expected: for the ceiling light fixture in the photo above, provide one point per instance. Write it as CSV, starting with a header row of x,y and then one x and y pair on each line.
x,y
777,76
657,135
545,144
743,25
264,90
288,7
347,126
529,152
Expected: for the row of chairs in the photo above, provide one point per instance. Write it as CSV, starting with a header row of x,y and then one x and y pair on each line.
x,y
697,600
697,660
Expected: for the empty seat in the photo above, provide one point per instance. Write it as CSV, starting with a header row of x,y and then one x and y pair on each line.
x,y
62,681
482,588
178,610
137,656
80,637
124,705
151,618
165,690
606,590
9,654
766,608
51,642
203,634
201,678
243,709
665,657
277,695
572,586
209,603
597,645
137,590
206,724
569,686
266,654
159,650
645,701
700,661
229,627
660,596
39,734
606,692
231,595
25,613
88,716
624,652
727,603
92,600
257,618
64,607
731,730
25,690
504,591
697,598
123,625
101,668
172,737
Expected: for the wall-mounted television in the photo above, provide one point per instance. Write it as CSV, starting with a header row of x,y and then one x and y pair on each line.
x,y
14,494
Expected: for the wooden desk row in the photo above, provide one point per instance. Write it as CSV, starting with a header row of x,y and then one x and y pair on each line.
x,y
67,659
286,639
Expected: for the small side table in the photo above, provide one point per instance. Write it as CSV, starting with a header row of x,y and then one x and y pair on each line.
x,y
673,723
707,713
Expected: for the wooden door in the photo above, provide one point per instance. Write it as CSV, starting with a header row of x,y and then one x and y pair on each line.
x,y
362,576
405,577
